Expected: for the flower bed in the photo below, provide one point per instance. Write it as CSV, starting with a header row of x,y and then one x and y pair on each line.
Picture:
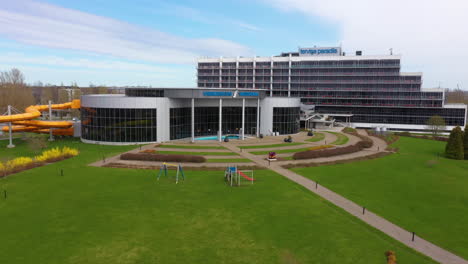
x,y
162,157
25,163
313,154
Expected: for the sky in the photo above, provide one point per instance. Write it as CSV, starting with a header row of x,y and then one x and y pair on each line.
x,y
157,43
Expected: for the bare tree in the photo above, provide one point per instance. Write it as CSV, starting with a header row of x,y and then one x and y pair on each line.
x,y
436,124
14,76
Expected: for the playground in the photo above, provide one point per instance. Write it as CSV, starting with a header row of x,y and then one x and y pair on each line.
x,y
107,215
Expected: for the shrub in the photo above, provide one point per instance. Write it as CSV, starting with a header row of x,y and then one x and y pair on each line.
x,y
366,142
454,148
321,147
56,154
2,167
403,134
18,163
349,130
465,142
312,154
69,152
162,157
391,257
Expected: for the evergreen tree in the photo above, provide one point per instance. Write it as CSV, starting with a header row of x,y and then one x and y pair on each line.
x,y
465,142
454,147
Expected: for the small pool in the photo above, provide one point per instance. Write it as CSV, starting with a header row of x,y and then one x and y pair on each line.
x,y
216,137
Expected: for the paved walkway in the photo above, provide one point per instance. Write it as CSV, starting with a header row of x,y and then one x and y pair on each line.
x,y
392,230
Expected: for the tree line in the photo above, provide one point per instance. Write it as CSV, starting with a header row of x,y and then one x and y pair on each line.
x,y
15,92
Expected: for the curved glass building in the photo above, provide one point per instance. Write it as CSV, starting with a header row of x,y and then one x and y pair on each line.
x,y
143,115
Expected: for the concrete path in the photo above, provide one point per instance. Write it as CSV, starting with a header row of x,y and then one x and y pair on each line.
x,y
392,230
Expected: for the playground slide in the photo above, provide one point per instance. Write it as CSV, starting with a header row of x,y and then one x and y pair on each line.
x,y
245,176
24,123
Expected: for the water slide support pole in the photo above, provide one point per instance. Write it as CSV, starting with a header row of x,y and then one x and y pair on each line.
x,y
10,130
51,135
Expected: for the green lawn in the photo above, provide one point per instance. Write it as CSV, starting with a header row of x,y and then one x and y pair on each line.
x,y
108,215
341,138
272,145
316,137
279,151
227,160
405,189
201,153
192,146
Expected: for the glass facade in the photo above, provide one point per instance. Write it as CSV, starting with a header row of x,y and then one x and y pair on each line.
x,y
180,123
286,120
409,116
207,120
142,92
118,125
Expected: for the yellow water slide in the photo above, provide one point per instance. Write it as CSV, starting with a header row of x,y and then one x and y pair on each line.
x,y
25,123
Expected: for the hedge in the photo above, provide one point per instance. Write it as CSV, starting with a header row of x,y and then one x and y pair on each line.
x,y
312,154
162,157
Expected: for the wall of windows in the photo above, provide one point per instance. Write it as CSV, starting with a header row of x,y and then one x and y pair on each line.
x,y
118,125
286,120
142,92
180,123
409,116
207,120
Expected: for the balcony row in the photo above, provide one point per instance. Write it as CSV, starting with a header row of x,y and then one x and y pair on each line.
x,y
321,81
395,66
372,97
304,74
317,103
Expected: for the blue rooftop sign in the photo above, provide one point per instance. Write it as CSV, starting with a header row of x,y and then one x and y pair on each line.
x,y
217,93
248,94
328,51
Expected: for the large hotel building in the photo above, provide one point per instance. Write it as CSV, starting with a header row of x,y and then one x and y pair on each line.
x,y
365,91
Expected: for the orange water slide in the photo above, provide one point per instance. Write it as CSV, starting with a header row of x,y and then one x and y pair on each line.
x,y
24,123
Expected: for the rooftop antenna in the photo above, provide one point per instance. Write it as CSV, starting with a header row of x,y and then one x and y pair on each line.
x,y
391,51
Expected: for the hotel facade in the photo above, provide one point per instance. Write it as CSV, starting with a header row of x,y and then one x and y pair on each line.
x,y
363,91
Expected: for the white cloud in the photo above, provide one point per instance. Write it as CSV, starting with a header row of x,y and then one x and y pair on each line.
x,y
431,35
204,16
98,64
52,26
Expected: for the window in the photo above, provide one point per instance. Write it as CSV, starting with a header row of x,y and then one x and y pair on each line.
x,y
118,125
286,120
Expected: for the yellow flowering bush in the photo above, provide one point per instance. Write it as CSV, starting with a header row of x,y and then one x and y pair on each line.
x,y
56,153
18,162
66,151
49,155
21,163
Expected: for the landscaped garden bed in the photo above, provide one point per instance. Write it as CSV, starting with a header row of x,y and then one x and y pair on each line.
x,y
19,164
142,156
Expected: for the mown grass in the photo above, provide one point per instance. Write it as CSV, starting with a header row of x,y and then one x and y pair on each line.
x,y
271,145
416,188
341,138
316,137
201,153
192,146
227,160
108,215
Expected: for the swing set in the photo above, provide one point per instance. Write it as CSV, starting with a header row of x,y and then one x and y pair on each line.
x,y
180,171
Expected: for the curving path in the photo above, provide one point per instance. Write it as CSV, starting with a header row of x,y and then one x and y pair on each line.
x,y
404,236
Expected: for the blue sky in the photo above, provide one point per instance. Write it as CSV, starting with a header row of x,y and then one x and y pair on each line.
x,y
144,42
